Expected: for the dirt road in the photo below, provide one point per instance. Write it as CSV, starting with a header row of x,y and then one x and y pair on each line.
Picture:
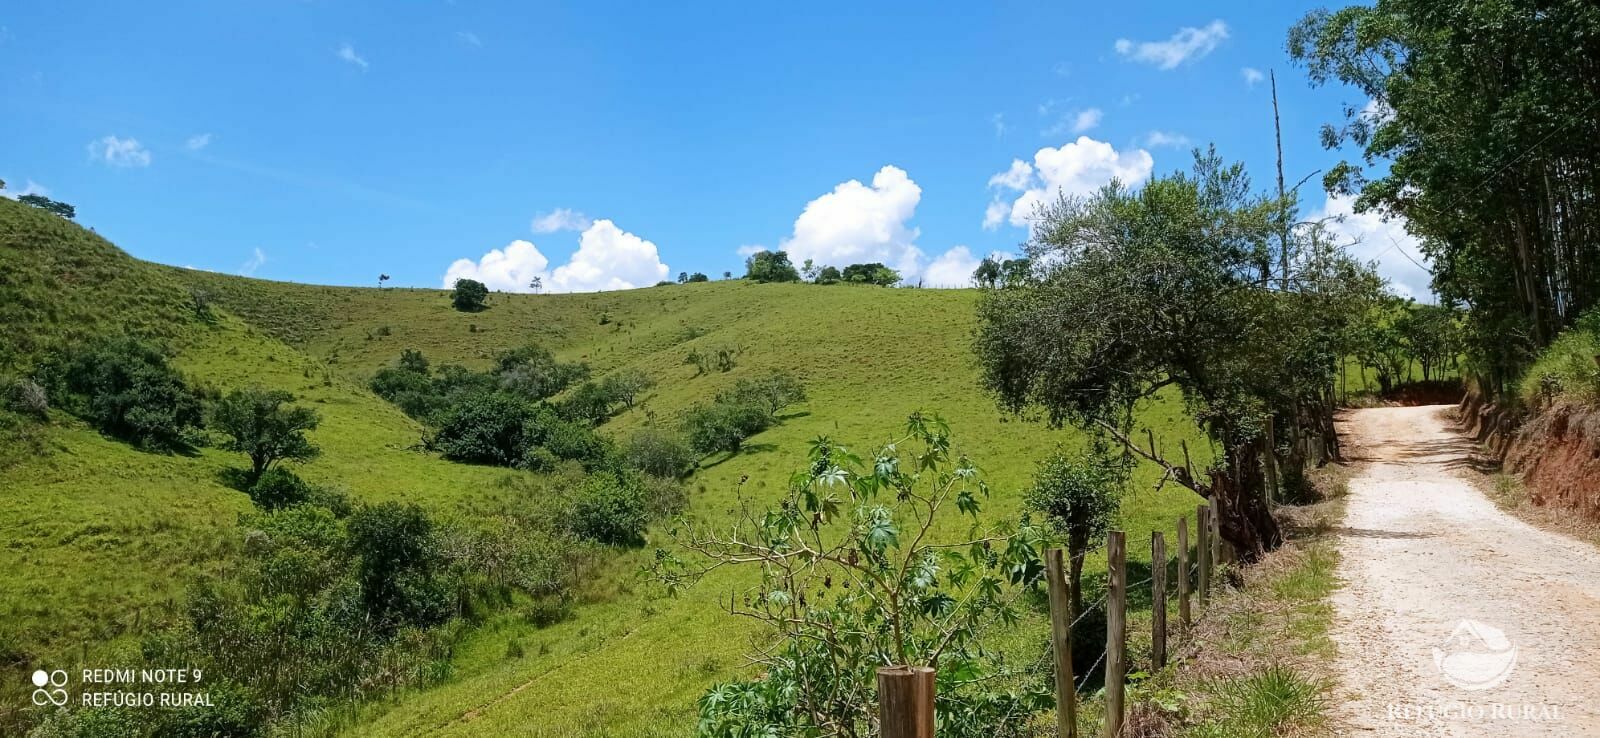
x,y
1455,618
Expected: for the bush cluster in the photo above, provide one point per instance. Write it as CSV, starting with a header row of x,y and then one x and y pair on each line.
x,y
127,390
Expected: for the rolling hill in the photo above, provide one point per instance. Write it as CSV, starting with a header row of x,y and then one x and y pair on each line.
x,y
101,539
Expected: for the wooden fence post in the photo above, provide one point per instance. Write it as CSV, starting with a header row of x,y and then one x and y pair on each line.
x,y
1116,631
1216,534
1158,599
1203,549
1183,571
1061,616
905,701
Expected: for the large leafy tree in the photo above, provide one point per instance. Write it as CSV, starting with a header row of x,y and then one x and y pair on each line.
x,y
261,424
771,266
1482,131
1133,292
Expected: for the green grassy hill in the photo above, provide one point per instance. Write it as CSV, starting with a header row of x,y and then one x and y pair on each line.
x,y
100,538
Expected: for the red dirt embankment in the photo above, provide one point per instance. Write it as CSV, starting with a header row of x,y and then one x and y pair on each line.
x,y
1557,453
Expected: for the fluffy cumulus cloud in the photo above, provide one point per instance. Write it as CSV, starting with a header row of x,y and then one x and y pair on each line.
x,y
608,258
119,152
1076,168
1187,45
561,219
1373,239
862,223
953,268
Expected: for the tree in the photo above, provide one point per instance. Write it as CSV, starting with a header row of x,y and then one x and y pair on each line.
x,y
53,206
1080,497
659,453
381,279
1482,135
1014,272
770,266
484,428
260,426
810,270
829,275
590,403
469,295
853,577
1133,292
699,277
771,392
1429,333
727,275
397,555
533,372
988,273
536,284
683,277
873,273
627,384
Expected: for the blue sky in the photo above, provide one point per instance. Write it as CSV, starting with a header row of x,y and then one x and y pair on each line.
x,y
603,145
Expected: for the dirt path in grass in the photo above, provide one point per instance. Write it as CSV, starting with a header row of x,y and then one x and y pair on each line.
x,y
1454,618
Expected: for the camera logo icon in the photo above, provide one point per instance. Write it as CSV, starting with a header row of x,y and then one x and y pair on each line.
x,y
49,688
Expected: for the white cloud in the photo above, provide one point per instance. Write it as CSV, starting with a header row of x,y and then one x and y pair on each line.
x,y
750,249
197,141
1078,121
1372,239
999,121
1015,178
608,258
469,38
561,219
1076,168
858,223
953,268
31,188
119,152
1188,44
348,54
1252,76
1157,139
1376,111
257,258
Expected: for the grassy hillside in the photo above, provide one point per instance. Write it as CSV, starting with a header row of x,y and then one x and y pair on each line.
x,y
101,537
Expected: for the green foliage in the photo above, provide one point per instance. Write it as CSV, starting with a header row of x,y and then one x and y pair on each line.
x,y
874,273
1271,702
723,426
659,452
50,206
772,392
770,266
260,426
469,296
611,509
626,385
533,372
850,581
699,277
988,272
591,403
1080,497
278,488
1568,369
828,275
484,428
396,555
1486,147
712,359
125,388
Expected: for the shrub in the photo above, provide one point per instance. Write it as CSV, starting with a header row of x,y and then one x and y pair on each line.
x,y
28,398
829,275
590,403
626,385
397,557
573,441
722,426
659,453
277,488
699,277
485,428
533,372
469,295
874,273
126,389
1080,497
611,509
